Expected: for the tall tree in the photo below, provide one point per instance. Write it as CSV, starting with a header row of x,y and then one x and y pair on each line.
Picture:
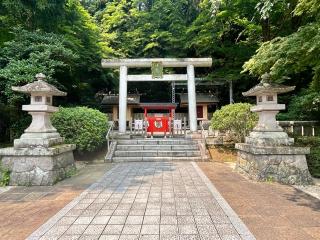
x,y
293,59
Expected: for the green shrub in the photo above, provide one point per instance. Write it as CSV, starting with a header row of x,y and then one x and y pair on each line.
x,y
18,127
313,159
4,176
82,126
236,119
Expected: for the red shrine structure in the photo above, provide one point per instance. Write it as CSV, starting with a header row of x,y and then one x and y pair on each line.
x,y
158,123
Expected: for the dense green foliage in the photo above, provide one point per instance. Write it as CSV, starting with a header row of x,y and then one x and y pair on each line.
x,y
58,38
294,59
30,53
236,118
66,39
303,106
82,126
313,159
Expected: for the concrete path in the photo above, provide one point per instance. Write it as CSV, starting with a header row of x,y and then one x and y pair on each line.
x,y
147,201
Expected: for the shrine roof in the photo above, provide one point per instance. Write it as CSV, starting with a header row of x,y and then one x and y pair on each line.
x,y
132,99
158,105
201,98
39,86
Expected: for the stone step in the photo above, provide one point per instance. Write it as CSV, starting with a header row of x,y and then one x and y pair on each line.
x,y
157,147
162,141
152,153
156,159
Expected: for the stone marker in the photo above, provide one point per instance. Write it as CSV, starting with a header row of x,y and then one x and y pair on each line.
x,y
267,153
39,157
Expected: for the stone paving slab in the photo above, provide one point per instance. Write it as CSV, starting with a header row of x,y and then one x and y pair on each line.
x,y
145,201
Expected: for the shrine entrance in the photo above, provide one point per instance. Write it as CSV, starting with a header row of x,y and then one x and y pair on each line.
x,y
157,65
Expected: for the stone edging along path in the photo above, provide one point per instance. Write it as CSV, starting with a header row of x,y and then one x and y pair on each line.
x,y
193,173
241,228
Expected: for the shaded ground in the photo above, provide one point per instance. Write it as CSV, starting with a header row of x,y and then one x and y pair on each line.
x,y
270,210
24,209
223,154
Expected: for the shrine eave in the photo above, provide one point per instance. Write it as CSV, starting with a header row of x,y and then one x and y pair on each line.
x,y
158,105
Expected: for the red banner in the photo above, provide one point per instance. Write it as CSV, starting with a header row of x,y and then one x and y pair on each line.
x,y
158,124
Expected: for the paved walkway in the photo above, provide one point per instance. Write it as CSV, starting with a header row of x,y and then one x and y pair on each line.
x,y
147,201
24,209
270,210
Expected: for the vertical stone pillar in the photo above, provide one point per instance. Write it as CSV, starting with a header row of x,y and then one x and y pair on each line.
x,y
123,99
192,102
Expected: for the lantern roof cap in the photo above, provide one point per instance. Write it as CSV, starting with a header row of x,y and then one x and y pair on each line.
x,y
267,87
39,86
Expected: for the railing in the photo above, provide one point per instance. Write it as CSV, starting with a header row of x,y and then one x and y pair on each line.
x,y
181,131
297,128
109,133
301,128
143,131
204,127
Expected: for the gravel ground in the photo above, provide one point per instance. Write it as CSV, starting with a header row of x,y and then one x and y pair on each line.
x,y
4,189
313,190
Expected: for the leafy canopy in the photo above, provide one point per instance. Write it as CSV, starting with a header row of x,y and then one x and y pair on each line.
x,y
296,53
30,53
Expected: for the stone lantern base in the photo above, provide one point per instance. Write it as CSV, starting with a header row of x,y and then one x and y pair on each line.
x,y
39,165
284,164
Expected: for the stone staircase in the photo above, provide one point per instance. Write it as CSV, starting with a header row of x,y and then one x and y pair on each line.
x,y
161,149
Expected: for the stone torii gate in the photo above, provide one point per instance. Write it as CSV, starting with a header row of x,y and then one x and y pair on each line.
x,y
157,64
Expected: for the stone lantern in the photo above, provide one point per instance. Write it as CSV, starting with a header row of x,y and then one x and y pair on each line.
x,y
268,131
267,153
40,132
39,156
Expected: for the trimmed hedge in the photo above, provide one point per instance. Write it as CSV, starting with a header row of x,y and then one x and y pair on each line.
x,y
235,118
82,126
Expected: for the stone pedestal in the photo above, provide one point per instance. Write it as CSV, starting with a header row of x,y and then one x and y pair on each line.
x,y
284,164
38,166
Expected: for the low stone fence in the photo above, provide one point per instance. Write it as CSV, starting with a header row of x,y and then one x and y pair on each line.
x,y
296,128
301,128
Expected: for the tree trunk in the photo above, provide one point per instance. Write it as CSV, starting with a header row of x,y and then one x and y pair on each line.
x,y
266,34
